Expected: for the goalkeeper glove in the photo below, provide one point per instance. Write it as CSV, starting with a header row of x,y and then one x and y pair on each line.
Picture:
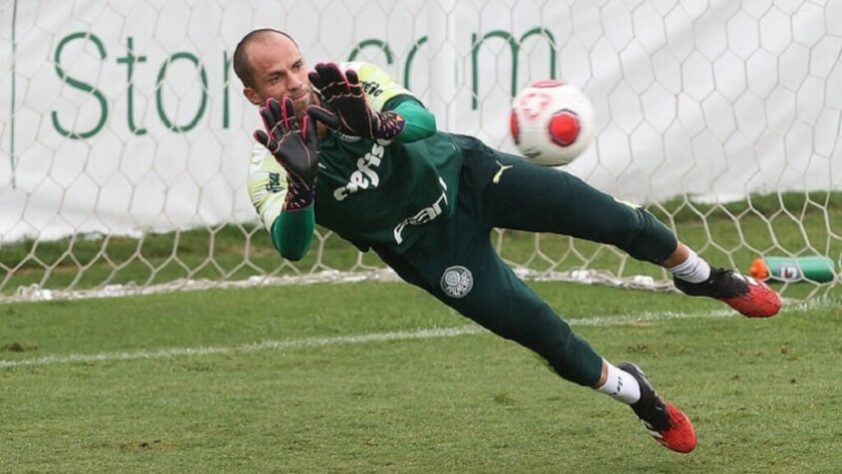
x,y
343,93
295,145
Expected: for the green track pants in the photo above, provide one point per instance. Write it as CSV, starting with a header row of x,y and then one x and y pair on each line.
x,y
456,262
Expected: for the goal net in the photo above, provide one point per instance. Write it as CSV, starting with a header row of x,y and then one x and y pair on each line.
x,y
125,138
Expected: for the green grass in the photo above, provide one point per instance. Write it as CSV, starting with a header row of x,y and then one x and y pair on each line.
x,y
227,252
764,394
729,235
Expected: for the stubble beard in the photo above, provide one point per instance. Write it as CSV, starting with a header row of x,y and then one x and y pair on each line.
x,y
301,104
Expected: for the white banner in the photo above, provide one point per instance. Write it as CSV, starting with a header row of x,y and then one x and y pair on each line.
x,y
122,117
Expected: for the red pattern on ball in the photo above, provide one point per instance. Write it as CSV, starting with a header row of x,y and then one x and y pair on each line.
x,y
564,128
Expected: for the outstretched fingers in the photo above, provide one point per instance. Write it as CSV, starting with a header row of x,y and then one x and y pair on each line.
x,y
353,81
267,115
278,117
288,114
329,79
330,72
263,138
278,121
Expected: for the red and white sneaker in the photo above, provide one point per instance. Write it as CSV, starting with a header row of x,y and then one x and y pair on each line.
x,y
663,420
752,298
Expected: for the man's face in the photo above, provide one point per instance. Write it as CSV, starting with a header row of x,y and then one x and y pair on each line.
x,y
278,70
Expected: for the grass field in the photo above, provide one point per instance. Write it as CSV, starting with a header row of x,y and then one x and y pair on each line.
x,y
378,377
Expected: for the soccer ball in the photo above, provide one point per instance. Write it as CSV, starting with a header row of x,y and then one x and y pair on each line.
x,y
551,122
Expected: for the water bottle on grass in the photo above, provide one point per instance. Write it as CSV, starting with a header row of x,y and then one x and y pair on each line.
x,y
813,268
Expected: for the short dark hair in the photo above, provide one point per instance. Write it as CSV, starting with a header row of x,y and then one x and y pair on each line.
x,y
242,67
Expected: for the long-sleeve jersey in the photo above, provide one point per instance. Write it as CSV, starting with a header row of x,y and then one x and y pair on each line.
x,y
368,193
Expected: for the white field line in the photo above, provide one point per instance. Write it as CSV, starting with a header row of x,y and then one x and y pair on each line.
x,y
309,342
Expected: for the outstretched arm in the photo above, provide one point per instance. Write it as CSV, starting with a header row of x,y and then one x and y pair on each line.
x,y
295,147
343,93
292,233
420,123
369,103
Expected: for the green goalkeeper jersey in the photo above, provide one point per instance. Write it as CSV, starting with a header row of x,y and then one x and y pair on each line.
x,y
372,194
368,193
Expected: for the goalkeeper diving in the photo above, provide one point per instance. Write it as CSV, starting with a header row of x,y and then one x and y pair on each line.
x,y
347,147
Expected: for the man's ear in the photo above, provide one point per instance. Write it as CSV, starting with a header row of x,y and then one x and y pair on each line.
x,y
252,96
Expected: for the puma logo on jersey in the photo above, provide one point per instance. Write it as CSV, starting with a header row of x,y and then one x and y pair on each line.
x,y
499,173
365,177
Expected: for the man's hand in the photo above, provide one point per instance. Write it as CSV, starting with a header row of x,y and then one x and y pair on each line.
x,y
295,145
343,93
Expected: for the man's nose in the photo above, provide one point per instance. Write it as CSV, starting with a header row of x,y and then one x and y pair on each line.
x,y
293,82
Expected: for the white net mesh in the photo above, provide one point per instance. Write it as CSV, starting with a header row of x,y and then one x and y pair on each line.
x,y
125,136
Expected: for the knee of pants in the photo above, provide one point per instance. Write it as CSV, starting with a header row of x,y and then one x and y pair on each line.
x,y
648,239
541,330
570,356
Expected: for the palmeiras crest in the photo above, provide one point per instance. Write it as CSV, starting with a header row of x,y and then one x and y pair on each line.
x,y
457,281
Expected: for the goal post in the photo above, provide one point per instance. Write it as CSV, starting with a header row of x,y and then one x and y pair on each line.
x,y
125,137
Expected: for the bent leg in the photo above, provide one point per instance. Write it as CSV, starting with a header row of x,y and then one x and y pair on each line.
x,y
532,198
481,287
